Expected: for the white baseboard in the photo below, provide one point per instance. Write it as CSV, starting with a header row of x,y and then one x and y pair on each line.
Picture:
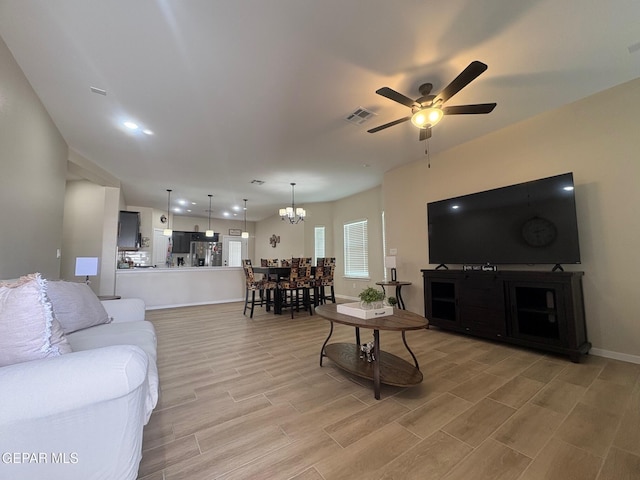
x,y
625,357
346,297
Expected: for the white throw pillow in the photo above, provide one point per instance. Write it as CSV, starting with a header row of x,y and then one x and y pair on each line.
x,y
28,329
75,306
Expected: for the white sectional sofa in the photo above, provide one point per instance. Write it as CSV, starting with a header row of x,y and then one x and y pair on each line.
x,y
80,415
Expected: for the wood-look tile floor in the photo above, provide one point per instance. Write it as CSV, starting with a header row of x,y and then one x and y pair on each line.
x,y
246,399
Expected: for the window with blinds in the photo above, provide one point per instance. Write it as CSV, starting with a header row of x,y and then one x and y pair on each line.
x,y
318,239
356,250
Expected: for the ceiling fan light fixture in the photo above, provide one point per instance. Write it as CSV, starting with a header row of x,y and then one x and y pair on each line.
x,y
427,117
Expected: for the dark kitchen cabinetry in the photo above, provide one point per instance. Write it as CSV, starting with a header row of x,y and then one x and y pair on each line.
x,y
180,242
128,230
542,310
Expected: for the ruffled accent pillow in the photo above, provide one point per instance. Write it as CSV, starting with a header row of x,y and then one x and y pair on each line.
x,y
75,306
28,328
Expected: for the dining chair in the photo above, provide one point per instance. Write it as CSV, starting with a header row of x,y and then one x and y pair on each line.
x,y
325,270
299,282
285,262
264,287
268,262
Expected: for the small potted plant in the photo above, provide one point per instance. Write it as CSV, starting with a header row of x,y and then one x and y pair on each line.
x,y
392,301
371,298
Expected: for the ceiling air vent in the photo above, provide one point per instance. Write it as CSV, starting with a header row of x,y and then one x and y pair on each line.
x,y
359,116
257,182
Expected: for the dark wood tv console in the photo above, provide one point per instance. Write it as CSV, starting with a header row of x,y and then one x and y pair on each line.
x,y
535,309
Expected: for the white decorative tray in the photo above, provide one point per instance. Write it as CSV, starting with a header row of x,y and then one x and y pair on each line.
x,y
355,310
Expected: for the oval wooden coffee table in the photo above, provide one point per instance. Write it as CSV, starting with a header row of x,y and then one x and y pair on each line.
x,y
386,368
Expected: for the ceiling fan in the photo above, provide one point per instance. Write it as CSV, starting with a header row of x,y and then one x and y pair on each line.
x,y
428,109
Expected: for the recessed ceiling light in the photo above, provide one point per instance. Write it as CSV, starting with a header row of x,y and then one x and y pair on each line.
x,y
146,131
226,214
131,125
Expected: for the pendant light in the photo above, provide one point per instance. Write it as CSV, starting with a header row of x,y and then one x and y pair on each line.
x,y
167,231
245,233
209,232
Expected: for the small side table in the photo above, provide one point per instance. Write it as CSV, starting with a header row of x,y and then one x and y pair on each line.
x,y
398,286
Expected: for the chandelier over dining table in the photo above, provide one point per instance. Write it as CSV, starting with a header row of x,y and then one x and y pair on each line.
x,y
293,214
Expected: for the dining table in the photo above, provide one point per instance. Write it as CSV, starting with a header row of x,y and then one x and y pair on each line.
x,y
275,274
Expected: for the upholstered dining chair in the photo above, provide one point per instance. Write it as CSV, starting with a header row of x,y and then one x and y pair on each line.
x,y
264,287
325,270
285,262
268,262
299,282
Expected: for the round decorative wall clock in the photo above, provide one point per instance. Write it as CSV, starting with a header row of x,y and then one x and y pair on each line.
x,y
539,232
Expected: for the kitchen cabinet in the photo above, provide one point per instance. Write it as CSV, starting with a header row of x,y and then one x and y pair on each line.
x,y
128,230
180,242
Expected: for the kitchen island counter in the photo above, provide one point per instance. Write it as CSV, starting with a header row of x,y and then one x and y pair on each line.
x,y
181,286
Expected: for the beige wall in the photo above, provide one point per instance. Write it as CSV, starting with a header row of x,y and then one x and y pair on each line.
x,y
90,226
319,214
597,139
298,240
91,222
365,205
292,239
33,159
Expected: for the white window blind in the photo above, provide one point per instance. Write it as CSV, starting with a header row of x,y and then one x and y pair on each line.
x,y
318,251
356,250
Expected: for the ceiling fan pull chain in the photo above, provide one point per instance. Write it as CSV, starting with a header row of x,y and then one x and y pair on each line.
x,y
426,152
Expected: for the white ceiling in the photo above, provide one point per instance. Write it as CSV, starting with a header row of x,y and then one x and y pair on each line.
x,y
239,90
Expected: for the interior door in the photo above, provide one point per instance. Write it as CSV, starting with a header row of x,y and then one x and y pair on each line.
x,y
234,249
160,246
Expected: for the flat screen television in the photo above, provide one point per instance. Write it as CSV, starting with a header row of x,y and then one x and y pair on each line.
x,y
528,223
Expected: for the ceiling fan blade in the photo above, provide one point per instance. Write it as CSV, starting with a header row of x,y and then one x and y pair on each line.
x,y
425,133
390,124
469,74
395,96
469,109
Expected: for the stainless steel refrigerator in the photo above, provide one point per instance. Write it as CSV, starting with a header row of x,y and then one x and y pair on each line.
x,y
206,254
